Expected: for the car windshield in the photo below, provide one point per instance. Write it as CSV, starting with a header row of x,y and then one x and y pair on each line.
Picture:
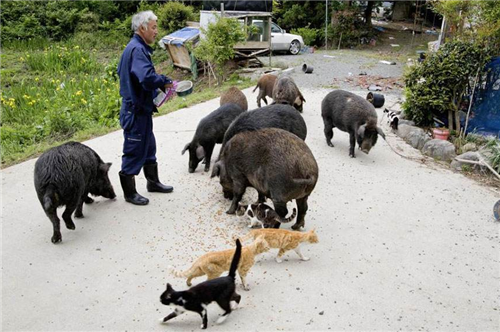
x,y
275,28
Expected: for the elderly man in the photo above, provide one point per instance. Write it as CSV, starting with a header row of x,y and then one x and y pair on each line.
x,y
138,87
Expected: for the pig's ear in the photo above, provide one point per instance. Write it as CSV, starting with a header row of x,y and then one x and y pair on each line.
x,y
169,288
216,170
200,152
105,167
380,132
302,98
186,147
361,130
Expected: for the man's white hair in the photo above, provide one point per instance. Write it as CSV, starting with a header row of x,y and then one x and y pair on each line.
x,y
143,18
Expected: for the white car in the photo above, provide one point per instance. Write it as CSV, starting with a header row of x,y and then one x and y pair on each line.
x,y
283,41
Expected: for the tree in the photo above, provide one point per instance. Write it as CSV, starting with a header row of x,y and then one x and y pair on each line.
x,y
438,84
217,46
472,20
368,13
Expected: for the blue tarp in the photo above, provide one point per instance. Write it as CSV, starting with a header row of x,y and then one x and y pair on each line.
x,y
485,113
181,36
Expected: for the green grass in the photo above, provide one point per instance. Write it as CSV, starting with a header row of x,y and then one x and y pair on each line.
x,y
53,93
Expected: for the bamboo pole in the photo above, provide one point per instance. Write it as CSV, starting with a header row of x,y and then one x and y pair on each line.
x,y
481,162
470,103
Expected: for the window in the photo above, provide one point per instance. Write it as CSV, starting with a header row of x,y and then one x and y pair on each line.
x,y
275,28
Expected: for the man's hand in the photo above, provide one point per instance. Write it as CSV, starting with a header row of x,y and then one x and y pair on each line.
x,y
169,85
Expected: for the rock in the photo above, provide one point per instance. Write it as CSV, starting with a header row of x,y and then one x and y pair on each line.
x,y
404,130
406,122
439,149
469,147
471,155
417,137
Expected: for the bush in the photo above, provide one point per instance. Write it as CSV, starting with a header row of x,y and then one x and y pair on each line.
x,y
310,35
217,46
439,83
347,27
172,16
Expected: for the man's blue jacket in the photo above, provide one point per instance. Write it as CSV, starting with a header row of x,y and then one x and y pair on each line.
x,y
138,79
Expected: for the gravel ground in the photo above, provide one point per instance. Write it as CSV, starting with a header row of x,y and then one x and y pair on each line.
x,y
338,69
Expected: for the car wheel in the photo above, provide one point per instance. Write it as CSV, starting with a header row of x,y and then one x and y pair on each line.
x,y
294,47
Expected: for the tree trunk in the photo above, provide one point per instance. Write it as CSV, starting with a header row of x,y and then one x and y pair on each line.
x,y
457,121
450,120
368,13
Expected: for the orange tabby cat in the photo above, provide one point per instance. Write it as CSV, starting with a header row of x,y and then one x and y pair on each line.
x,y
283,240
214,264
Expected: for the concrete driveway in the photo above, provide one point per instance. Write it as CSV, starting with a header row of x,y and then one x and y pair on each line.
x,y
404,245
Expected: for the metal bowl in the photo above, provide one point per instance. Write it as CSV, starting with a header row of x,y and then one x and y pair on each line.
x,y
184,88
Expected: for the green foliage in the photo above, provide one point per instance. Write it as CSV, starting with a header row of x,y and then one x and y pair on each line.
x,y
477,21
292,14
438,84
309,35
217,46
494,148
67,90
172,16
61,59
57,20
347,27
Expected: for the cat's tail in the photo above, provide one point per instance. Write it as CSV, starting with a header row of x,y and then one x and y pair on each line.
x,y
289,219
179,274
236,259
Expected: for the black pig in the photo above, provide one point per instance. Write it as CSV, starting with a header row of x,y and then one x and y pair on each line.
x,y
278,164
353,114
65,175
210,131
272,116
285,91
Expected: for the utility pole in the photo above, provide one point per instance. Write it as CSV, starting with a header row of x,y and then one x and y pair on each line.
x,y
326,26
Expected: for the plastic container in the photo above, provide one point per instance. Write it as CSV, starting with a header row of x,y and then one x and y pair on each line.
x,y
441,133
184,88
307,68
162,97
377,99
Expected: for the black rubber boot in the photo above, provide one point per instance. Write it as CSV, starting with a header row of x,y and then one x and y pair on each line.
x,y
154,184
131,195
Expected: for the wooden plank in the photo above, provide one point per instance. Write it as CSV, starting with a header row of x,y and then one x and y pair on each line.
x,y
180,56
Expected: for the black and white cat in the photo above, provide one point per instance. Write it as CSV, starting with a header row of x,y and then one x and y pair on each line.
x,y
197,298
263,215
392,119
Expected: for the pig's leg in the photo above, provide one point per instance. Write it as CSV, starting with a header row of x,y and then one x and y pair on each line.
x,y
352,142
264,99
208,155
52,214
281,210
259,97
238,191
79,207
262,198
301,213
328,131
88,200
70,208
